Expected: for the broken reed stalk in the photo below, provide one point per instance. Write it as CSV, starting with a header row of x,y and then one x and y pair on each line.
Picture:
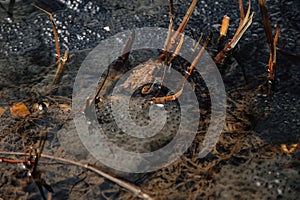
x,y
199,55
54,30
171,25
31,164
224,28
271,42
245,22
241,7
198,42
171,41
124,57
130,187
61,61
188,73
177,50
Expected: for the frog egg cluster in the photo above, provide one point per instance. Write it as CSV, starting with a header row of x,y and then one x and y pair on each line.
x,y
17,37
268,178
129,143
80,26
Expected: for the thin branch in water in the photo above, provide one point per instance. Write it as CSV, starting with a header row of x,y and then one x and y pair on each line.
x,y
242,13
134,189
61,61
54,30
124,57
178,48
195,61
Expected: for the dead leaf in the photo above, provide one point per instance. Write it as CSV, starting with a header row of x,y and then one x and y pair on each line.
x,y
292,149
2,110
65,107
19,110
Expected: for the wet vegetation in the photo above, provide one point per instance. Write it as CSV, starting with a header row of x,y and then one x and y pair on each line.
x,y
257,154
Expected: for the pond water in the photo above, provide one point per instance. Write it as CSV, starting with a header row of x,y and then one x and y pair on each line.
x,y
247,161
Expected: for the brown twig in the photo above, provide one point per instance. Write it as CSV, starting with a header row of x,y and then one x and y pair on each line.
x,y
242,13
195,61
54,30
61,61
134,189
199,55
178,48
198,42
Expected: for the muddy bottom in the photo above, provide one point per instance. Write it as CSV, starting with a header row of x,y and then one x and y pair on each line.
x,y
250,159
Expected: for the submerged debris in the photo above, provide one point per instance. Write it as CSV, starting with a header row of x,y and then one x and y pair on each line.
x,y
19,110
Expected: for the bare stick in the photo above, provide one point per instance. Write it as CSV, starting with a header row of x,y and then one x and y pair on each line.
x,y
167,98
134,189
198,42
60,67
195,61
242,13
128,47
184,22
54,30
61,61
124,57
266,23
178,48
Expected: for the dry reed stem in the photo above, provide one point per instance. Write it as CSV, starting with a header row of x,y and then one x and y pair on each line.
x,y
61,61
54,30
189,72
271,42
171,25
245,22
169,44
